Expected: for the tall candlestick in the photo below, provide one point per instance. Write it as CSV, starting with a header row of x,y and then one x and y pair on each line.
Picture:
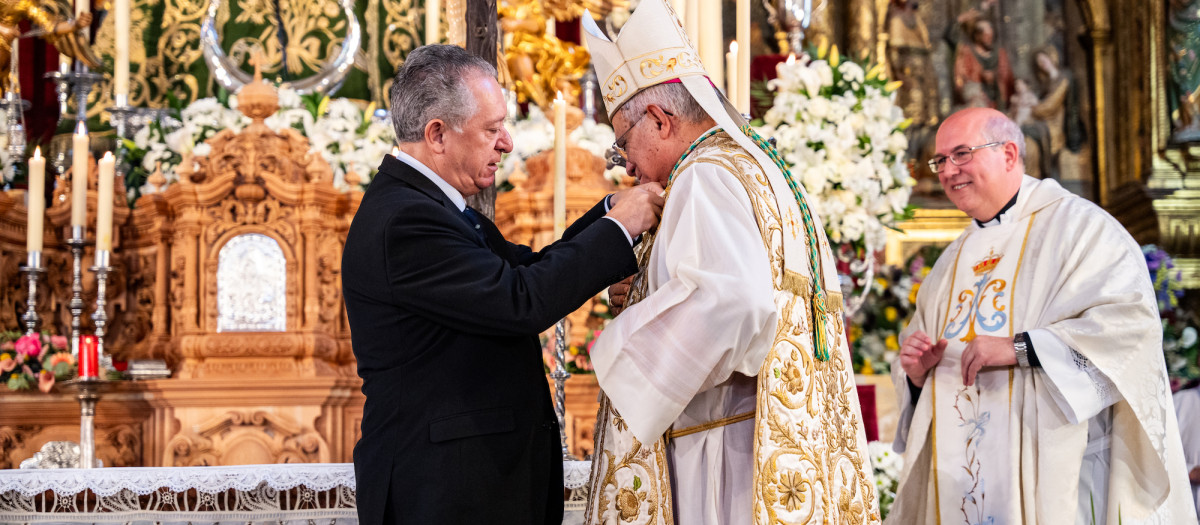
x,y
104,205
731,83
712,40
79,175
121,63
742,73
560,166
433,20
37,201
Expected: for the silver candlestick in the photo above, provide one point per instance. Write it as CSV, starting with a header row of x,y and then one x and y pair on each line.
x,y
560,376
100,316
32,270
62,87
87,391
77,244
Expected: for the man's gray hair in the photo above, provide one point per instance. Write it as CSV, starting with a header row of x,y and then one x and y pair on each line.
x,y
431,85
1002,129
672,97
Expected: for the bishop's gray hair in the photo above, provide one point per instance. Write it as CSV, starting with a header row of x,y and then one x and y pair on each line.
x,y
431,84
1002,129
673,97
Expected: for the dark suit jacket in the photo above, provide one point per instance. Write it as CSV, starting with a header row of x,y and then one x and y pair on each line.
x,y
458,426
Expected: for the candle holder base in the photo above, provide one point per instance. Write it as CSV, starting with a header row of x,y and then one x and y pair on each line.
x,y
88,391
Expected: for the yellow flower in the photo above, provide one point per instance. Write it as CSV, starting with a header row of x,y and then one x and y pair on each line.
x,y
881,282
890,314
892,343
925,271
912,296
867,369
855,333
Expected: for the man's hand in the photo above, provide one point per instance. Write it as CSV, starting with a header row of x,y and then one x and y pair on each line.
x,y
918,355
985,351
1194,476
617,294
638,208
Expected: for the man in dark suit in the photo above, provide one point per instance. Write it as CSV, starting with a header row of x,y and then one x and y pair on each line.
x,y
444,313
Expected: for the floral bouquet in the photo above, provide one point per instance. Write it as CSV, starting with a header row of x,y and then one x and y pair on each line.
x,y
27,360
837,124
891,299
888,465
350,139
1180,339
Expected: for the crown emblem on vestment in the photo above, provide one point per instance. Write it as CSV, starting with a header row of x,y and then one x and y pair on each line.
x,y
988,263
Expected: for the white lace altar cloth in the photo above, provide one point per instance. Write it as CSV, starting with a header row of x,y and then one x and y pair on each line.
x,y
321,493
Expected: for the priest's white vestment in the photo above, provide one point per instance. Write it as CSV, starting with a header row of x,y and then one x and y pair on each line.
x,y
1090,436
1187,410
712,306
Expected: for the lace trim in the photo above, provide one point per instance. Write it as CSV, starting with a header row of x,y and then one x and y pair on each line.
x,y
1105,389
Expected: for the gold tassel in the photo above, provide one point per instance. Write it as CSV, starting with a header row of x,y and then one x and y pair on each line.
x,y
820,322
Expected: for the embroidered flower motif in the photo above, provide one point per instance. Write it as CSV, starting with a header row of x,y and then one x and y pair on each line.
x,y
627,504
791,489
793,380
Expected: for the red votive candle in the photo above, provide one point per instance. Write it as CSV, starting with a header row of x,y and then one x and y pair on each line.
x,y
88,357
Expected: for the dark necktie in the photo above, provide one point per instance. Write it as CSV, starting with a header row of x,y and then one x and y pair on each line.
x,y
473,219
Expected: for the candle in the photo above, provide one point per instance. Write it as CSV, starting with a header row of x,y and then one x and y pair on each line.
x,y
36,197
89,359
551,28
742,73
712,40
731,83
433,20
121,62
104,206
79,175
691,22
81,7
560,165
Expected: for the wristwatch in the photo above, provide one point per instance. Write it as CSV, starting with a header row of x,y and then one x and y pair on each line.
x,y
1022,350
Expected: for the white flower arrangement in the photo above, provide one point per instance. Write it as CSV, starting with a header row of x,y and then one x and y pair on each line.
x,y
535,134
887,465
348,138
839,128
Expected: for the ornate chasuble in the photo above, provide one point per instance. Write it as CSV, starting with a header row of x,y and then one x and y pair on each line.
x,y
810,461
977,428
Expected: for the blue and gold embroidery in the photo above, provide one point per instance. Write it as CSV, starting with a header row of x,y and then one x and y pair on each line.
x,y
971,302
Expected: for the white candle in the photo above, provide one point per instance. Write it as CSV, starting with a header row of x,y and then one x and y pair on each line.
x,y
731,83
691,22
104,204
742,73
551,27
37,201
81,7
560,166
121,65
433,20
79,175
712,40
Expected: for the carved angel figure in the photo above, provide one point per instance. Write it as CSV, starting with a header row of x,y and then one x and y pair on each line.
x,y
65,35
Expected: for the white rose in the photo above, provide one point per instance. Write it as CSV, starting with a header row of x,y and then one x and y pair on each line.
x,y
851,72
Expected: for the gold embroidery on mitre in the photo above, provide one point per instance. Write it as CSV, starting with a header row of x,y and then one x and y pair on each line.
x,y
652,68
617,84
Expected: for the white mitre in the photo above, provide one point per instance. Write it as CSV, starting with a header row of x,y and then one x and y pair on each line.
x,y
651,49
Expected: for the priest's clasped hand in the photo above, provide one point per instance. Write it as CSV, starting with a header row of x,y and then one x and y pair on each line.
x,y
985,351
638,208
918,354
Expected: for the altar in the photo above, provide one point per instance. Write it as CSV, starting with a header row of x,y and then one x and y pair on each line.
x,y
278,493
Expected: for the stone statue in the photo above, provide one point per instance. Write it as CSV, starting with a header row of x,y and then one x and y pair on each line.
x,y
65,35
909,60
540,65
1183,43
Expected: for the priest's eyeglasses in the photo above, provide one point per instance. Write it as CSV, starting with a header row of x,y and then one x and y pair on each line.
x,y
616,155
958,157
